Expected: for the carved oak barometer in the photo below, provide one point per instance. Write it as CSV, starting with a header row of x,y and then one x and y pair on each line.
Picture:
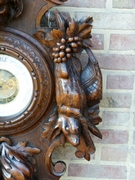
x,y
46,97
25,83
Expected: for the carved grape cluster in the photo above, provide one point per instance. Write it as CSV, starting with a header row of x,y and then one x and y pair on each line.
x,y
65,48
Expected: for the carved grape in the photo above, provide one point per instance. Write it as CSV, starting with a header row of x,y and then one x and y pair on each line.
x,y
65,48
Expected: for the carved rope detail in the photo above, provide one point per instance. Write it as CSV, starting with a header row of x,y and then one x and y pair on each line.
x,y
78,91
17,162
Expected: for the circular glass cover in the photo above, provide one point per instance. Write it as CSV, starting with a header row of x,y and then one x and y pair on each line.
x,y
8,86
16,86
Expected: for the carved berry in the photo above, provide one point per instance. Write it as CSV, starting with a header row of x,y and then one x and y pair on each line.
x,y
68,49
56,49
56,55
64,59
55,60
70,39
62,47
79,43
74,45
58,44
61,54
76,38
63,41
68,55
59,60
53,54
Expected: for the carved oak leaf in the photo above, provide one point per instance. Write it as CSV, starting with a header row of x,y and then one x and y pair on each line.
x,y
17,161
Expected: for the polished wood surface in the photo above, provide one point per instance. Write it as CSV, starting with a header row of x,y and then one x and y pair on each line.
x,y
65,102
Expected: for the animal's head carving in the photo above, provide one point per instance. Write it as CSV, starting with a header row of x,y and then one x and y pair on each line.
x,y
10,9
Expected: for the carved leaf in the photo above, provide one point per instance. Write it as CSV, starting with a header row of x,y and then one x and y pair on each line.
x,y
86,33
86,133
60,21
51,130
15,161
87,20
55,133
57,35
73,29
88,138
94,130
83,27
42,37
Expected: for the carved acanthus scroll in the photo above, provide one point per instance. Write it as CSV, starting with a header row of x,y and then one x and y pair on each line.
x,y
17,162
78,91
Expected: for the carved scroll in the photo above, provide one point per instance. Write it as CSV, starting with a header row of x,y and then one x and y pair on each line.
x,y
17,162
10,9
78,91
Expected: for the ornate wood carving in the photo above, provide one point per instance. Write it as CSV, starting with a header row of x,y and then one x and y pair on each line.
x,y
23,49
49,4
10,9
17,162
78,91
75,112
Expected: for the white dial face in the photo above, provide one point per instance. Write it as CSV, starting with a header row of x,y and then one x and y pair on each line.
x,y
16,86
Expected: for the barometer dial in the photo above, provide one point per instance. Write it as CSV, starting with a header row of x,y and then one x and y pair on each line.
x,y
16,86
26,82
8,86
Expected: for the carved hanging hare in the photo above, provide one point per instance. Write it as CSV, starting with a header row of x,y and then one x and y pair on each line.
x,y
78,91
